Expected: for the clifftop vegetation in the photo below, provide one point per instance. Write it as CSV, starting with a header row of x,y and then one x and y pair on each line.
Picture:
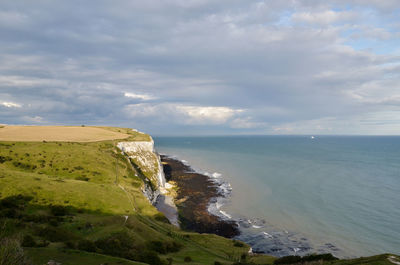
x,y
81,203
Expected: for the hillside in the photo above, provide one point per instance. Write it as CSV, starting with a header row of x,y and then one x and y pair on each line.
x,y
76,195
70,195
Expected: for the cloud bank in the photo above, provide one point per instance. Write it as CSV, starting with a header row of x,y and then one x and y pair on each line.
x,y
203,67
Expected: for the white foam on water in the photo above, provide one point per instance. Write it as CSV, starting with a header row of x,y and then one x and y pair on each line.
x,y
267,235
225,214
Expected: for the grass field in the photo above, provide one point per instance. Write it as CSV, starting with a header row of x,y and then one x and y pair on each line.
x,y
81,203
98,187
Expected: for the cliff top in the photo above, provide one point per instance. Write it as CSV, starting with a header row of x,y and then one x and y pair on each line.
x,y
68,134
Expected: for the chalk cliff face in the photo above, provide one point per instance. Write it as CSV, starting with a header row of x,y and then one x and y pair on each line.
x,y
148,166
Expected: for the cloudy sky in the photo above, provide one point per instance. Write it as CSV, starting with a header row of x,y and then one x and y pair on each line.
x,y
202,66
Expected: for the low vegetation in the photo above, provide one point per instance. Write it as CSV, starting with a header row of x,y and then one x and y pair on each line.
x,y
81,203
61,199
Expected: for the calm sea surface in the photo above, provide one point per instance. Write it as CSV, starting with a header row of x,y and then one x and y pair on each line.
x,y
332,193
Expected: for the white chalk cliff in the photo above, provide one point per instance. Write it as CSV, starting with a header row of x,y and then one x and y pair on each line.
x,y
148,166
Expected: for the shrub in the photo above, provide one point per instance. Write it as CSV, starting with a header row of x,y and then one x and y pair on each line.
x,y
150,257
308,258
217,263
288,260
83,178
18,201
24,165
42,244
11,252
157,246
170,260
59,210
174,246
28,241
237,244
119,244
4,159
164,247
187,259
69,244
54,234
87,245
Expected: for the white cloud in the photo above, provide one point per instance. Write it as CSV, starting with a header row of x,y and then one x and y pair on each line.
x,y
199,63
183,114
11,104
207,115
246,123
138,96
324,17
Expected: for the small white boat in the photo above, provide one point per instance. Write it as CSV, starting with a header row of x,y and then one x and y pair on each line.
x,y
312,137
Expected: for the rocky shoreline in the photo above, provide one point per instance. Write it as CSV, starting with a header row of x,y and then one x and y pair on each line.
x,y
198,198
194,194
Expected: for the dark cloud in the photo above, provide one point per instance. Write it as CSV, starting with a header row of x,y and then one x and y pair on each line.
x,y
202,66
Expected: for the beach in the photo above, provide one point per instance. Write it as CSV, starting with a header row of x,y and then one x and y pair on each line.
x,y
195,192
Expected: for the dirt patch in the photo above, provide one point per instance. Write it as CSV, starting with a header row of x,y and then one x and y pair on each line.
x,y
58,134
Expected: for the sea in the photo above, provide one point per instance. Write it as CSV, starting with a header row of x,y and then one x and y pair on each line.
x,y
296,195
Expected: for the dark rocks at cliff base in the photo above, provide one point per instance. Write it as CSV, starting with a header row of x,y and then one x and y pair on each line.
x,y
195,192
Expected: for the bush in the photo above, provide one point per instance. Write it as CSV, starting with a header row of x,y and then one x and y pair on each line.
x,y
55,234
149,257
87,245
82,178
308,258
288,260
119,244
4,159
24,165
69,244
11,253
237,244
170,260
59,210
187,259
164,247
15,202
157,246
217,263
42,244
28,241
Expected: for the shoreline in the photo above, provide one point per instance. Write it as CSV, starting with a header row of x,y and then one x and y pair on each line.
x,y
199,198
195,196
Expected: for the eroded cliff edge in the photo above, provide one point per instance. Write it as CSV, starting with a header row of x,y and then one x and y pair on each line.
x,y
147,164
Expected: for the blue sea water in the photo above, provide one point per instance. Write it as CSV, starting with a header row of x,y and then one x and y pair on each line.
x,y
294,194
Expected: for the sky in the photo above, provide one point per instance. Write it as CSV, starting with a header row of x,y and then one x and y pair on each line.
x,y
202,67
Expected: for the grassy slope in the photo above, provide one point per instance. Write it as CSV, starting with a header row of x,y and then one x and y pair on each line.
x,y
54,173
73,257
82,176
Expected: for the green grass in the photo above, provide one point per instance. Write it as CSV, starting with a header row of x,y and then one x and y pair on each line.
x,y
73,257
82,177
374,260
98,186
